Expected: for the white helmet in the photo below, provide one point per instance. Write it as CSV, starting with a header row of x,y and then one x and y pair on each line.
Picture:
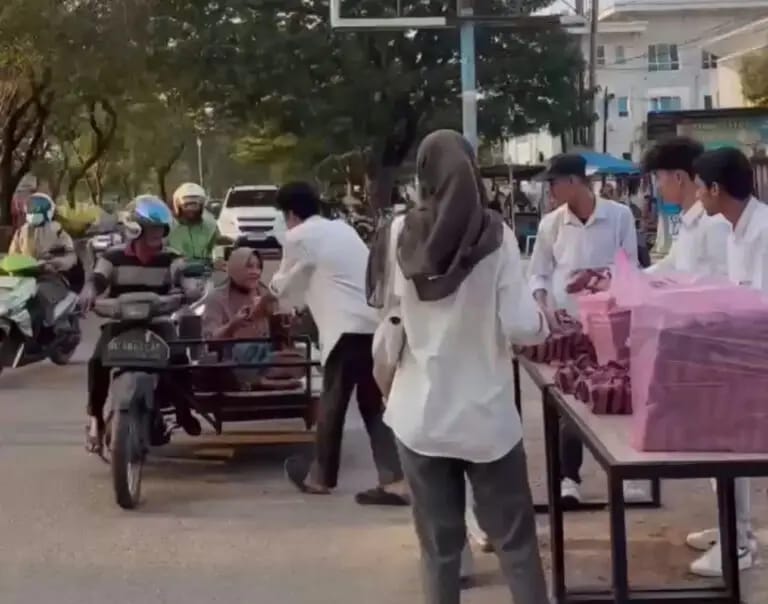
x,y
189,193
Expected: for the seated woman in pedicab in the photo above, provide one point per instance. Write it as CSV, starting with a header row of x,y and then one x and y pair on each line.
x,y
242,308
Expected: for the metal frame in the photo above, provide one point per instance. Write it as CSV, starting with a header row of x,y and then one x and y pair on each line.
x,y
219,405
585,506
620,591
448,22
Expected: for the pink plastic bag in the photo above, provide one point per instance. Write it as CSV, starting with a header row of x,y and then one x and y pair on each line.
x,y
698,365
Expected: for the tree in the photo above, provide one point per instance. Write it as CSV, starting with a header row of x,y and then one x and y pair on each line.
x,y
278,62
754,78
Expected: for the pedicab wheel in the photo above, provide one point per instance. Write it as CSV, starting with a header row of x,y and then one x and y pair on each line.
x,y
127,459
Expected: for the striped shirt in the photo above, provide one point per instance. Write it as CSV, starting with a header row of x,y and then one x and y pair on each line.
x,y
120,271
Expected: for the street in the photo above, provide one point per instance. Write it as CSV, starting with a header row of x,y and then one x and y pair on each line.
x,y
220,524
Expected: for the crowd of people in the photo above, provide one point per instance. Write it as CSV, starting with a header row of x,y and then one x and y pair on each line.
x,y
421,325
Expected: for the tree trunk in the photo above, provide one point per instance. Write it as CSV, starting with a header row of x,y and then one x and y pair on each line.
x,y
382,169
102,140
165,169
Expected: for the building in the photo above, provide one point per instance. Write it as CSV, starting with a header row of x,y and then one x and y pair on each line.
x,y
652,55
731,47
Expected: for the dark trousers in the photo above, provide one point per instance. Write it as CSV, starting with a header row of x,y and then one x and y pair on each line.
x,y
99,377
350,365
504,509
571,451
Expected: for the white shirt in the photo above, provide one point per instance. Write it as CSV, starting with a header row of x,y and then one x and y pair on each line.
x,y
453,392
565,244
324,264
748,247
700,247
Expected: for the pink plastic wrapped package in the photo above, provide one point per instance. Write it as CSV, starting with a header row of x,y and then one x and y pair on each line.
x,y
699,368
606,325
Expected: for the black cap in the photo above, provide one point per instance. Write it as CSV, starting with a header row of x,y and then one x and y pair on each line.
x,y
564,165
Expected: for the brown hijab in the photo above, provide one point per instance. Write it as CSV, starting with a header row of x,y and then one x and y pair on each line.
x,y
225,302
450,230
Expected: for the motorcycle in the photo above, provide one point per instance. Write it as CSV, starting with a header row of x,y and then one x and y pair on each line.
x,y
52,333
137,354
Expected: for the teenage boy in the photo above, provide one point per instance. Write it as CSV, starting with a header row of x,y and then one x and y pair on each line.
x,y
724,185
584,232
700,247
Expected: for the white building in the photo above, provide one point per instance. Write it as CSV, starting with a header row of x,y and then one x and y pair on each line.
x,y
731,47
653,55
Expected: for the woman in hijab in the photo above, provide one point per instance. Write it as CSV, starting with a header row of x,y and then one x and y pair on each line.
x,y
454,276
242,309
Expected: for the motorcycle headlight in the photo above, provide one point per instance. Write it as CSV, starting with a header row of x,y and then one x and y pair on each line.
x,y
138,311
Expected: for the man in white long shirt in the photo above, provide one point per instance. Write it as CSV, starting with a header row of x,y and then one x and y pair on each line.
x,y
700,247
324,264
724,183
585,232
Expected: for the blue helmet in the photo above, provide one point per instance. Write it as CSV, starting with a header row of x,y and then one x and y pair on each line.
x,y
40,209
148,210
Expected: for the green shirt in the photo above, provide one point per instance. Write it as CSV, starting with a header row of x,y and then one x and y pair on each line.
x,y
195,241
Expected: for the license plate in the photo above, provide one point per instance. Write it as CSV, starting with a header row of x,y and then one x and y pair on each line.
x,y
137,347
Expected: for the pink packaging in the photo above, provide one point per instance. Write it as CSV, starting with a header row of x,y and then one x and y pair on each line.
x,y
606,325
699,367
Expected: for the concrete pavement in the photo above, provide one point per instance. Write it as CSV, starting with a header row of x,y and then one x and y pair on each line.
x,y
220,524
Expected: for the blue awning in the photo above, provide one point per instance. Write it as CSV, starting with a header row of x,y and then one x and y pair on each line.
x,y
604,164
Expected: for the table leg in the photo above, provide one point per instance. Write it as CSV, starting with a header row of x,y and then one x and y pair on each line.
x,y
618,538
655,493
518,392
726,504
552,447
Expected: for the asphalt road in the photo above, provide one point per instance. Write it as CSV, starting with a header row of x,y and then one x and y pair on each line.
x,y
220,524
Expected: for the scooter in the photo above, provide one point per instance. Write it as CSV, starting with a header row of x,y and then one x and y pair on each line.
x,y
56,336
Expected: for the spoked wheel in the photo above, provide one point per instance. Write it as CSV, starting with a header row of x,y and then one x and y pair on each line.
x,y
128,455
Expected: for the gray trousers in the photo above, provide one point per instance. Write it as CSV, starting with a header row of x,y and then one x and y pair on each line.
x,y
504,509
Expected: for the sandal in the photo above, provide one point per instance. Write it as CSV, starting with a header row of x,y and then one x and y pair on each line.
x,y
296,471
380,496
94,444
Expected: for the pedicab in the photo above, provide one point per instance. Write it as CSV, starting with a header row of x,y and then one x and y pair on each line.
x,y
161,383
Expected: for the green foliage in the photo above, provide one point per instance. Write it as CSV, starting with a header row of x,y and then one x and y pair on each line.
x,y
111,96
278,62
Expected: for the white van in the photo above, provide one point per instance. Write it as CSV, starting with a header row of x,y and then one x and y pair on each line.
x,y
250,212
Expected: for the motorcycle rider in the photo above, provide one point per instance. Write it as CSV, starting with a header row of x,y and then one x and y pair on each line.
x,y
40,234
195,232
44,239
144,264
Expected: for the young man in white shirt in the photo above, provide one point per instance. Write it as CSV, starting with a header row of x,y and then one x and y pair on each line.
x,y
584,232
724,182
700,247
324,263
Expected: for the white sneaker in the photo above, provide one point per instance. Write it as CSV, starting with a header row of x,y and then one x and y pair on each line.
x,y
570,492
636,491
710,565
703,541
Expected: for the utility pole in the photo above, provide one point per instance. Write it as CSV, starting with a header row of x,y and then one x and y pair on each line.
x,y
579,133
592,78
466,8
